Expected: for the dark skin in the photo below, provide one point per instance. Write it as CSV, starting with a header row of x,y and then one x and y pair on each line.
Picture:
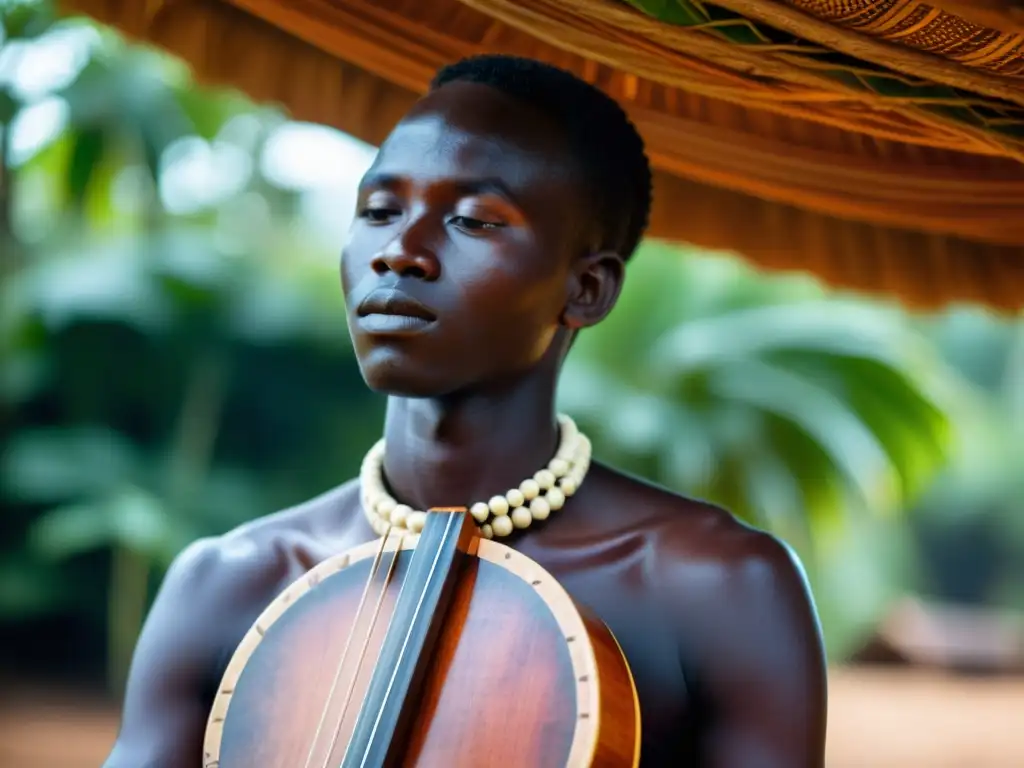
x,y
473,209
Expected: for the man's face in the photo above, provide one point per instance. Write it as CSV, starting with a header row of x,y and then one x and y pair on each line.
x,y
458,265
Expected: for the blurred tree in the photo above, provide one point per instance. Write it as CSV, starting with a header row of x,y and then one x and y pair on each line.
x,y
179,395
141,322
969,526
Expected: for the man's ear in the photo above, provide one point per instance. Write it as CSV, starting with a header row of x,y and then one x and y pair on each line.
x,y
594,286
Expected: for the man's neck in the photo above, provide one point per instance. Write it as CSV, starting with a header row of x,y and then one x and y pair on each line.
x,y
461,450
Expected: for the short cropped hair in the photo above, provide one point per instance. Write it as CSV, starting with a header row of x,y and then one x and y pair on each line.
x,y
607,147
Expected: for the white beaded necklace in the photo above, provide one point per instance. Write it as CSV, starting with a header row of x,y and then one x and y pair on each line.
x,y
534,499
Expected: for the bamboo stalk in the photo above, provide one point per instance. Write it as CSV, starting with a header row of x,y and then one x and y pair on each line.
x,y
126,609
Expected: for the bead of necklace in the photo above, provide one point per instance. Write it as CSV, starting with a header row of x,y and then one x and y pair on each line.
x,y
534,499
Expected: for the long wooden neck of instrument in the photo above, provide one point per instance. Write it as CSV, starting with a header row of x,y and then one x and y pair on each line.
x,y
379,735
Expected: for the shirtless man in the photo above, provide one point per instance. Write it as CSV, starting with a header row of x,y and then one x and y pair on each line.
x,y
505,207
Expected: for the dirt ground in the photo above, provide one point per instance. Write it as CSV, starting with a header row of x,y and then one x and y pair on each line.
x,y
877,719
921,719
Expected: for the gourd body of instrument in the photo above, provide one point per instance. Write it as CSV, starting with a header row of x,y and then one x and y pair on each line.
x,y
443,649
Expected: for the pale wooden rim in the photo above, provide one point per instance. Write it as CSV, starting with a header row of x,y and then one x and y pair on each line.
x,y
558,601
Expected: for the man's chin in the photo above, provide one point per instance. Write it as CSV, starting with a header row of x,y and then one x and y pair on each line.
x,y
395,382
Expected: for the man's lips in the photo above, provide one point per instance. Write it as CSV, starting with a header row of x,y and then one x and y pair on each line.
x,y
392,302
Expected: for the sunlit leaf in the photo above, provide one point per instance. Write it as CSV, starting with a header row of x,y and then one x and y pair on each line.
x,y
852,447
53,465
823,327
774,495
110,285
139,521
71,530
128,518
208,111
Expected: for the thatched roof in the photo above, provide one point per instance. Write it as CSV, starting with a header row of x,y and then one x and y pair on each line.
x,y
876,143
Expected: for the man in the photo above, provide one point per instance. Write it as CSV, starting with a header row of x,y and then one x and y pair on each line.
x,y
494,225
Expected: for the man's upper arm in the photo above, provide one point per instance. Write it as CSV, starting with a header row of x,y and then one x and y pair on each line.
x,y
762,665
164,715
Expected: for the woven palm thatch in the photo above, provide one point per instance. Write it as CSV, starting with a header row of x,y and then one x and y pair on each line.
x,y
876,143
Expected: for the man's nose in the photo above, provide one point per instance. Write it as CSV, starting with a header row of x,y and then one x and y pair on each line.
x,y
409,254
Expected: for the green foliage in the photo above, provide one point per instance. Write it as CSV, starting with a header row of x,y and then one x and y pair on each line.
x,y
970,522
24,19
765,396
169,396
162,377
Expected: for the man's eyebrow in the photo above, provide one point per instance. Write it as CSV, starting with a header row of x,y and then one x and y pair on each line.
x,y
486,186
373,179
465,187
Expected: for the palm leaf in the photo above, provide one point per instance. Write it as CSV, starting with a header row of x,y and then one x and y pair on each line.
x,y
722,381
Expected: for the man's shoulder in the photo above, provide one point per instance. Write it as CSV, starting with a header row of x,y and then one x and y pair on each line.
x,y
704,550
697,532
253,552
748,641
722,583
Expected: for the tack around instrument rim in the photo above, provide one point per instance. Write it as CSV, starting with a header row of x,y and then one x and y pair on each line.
x,y
570,621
